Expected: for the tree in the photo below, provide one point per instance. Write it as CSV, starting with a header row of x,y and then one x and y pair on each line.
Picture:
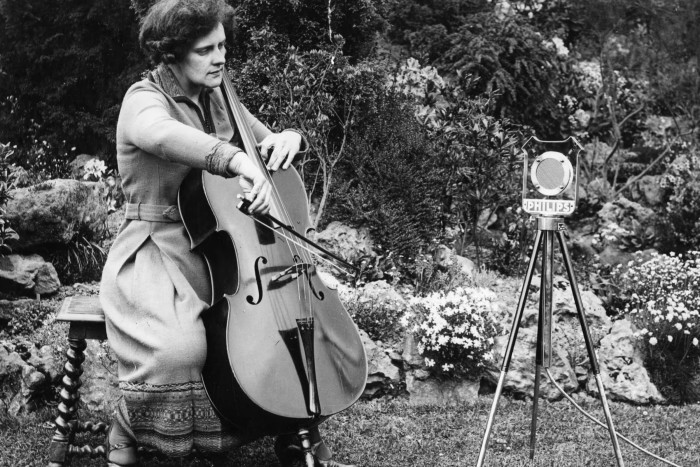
x,y
65,66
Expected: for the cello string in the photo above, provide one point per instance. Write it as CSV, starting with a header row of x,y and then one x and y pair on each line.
x,y
289,239
302,292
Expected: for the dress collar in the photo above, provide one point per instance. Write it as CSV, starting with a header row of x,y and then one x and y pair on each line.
x,y
164,77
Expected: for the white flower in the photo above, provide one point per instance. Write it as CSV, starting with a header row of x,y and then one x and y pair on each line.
x,y
670,338
653,341
678,326
695,341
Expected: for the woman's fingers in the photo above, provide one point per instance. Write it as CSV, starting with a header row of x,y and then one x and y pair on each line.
x,y
285,147
259,196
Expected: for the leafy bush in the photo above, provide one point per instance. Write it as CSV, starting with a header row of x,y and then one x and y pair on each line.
x,y
428,278
80,260
454,330
25,321
509,61
378,317
682,179
662,297
66,66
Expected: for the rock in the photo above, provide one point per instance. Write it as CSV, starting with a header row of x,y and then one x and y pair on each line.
x,y
27,274
648,190
55,211
568,349
382,295
77,165
444,257
381,372
114,222
411,357
100,390
345,241
44,361
521,375
10,365
621,361
625,226
47,281
12,308
441,392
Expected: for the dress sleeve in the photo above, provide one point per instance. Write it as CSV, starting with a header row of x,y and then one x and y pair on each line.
x,y
145,121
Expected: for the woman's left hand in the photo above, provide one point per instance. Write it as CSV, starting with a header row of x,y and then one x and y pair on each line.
x,y
285,146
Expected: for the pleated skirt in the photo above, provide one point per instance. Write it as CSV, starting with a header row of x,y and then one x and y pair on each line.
x,y
153,291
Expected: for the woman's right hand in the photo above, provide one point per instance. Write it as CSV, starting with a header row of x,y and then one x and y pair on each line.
x,y
256,187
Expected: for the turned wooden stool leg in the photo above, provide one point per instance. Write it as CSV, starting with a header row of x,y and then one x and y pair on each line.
x,y
60,443
306,447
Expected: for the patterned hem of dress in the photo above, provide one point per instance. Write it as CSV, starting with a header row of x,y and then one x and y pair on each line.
x,y
176,418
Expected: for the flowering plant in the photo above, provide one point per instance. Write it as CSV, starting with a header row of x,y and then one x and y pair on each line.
x,y
662,298
454,330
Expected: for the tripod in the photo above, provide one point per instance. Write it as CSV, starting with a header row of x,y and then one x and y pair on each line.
x,y
547,227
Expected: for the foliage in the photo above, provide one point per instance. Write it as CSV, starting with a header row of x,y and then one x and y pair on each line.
x,y
510,255
377,315
392,181
369,161
429,278
318,92
65,66
80,260
28,319
8,181
479,156
423,26
662,298
305,24
682,179
510,62
95,170
454,330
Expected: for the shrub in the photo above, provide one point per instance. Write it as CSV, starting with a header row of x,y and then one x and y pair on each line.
x,y
24,322
682,179
454,330
378,318
66,66
509,60
662,298
429,278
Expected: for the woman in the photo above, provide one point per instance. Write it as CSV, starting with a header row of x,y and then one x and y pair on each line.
x,y
154,288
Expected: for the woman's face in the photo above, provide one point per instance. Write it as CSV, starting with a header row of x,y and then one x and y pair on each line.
x,y
203,64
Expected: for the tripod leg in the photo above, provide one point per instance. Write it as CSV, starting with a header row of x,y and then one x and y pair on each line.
x,y
589,347
544,330
509,347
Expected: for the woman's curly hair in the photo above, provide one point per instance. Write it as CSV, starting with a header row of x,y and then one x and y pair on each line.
x,y
171,26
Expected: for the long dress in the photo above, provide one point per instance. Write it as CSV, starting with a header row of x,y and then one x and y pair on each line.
x,y
154,289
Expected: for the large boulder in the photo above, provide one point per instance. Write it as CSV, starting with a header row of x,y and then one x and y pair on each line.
x,y
55,211
621,359
648,190
11,365
28,275
570,362
382,374
625,227
347,242
423,390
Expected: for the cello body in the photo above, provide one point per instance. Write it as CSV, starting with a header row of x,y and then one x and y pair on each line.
x,y
283,353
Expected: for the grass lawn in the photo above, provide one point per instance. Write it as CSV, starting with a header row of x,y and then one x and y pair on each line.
x,y
391,433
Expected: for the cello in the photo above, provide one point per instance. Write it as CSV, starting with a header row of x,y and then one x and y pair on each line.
x,y
282,352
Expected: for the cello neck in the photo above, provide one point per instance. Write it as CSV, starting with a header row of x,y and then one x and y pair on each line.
x,y
238,122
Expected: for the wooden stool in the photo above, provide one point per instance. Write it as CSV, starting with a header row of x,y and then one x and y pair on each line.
x,y
87,321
